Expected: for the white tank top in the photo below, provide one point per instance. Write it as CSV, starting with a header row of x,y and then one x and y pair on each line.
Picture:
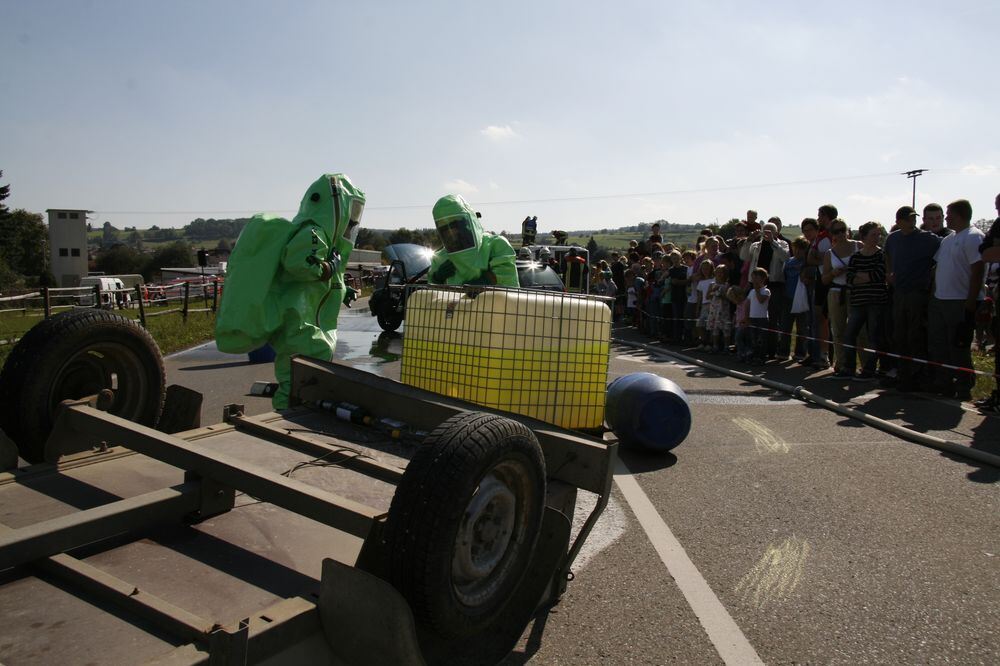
x,y
836,262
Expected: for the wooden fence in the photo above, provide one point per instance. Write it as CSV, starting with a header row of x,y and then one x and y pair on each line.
x,y
47,301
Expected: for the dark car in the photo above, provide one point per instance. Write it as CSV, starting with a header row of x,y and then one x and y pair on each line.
x,y
408,266
533,275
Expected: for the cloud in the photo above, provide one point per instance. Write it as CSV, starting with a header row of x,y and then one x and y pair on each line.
x,y
494,186
882,203
499,133
459,186
979,170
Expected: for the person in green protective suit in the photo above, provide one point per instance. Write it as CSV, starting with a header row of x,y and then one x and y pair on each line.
x,y
470,255
285,279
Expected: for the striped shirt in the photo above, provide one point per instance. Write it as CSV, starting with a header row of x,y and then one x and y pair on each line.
x,y
874,291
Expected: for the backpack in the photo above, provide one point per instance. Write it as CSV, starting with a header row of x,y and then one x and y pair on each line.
x,y
246,318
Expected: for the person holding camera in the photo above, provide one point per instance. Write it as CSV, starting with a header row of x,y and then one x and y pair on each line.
x,y
766,249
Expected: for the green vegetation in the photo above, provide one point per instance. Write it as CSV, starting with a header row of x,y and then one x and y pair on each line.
x,y
171,331
983,361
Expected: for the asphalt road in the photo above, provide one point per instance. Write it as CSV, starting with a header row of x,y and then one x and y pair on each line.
x,y
777,532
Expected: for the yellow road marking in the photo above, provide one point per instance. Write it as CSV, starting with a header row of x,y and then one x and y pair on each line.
x,y
776,574
764,440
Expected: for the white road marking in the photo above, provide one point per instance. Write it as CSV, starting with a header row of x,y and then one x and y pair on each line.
x,y
608,528
190,349
729,641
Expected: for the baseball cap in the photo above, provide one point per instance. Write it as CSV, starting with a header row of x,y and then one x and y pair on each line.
x,y
906,211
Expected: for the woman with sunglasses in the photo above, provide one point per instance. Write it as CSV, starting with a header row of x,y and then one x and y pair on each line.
x,y
835,265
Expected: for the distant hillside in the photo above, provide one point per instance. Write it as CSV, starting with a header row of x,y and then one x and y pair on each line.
x,y
212,233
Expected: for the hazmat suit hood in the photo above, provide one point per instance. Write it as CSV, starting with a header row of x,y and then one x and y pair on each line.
x,y
336,205
460,232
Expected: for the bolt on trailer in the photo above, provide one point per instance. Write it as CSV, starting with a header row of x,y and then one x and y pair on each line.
x,y
372,522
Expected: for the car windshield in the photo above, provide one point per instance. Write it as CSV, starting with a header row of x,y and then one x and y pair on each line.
x,y
537,276
415,257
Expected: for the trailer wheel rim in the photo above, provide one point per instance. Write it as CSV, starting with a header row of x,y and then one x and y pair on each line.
x,y
492,527
107,365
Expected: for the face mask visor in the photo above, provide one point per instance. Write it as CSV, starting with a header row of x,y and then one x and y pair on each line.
x,y
456,233
354,221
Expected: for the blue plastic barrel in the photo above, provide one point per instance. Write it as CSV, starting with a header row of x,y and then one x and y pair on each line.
x,y
264,354
647,412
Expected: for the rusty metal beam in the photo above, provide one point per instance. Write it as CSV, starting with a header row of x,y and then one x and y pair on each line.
x,y
301,498
25,544
368,466
174,620
274,629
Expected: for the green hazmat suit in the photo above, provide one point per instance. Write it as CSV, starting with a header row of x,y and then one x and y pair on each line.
x,y
285,279
470,255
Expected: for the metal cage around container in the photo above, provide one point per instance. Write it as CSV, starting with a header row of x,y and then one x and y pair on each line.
x,y
542,354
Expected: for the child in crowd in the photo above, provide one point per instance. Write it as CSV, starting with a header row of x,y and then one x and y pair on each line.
x,y
719,320
705,282
639,311
666,330
630,299
691,305
655,290
738,296
759,298
677,279
797,298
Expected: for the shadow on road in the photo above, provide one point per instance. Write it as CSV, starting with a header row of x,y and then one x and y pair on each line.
x,y
639,461
215,366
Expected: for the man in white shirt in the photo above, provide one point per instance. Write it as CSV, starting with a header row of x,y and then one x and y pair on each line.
x,y
765,249
958,285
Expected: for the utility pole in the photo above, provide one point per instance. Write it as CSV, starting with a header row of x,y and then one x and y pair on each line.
x,y
913,175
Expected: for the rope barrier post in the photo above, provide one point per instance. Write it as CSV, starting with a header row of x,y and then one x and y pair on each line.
x,y
142,306
47,300
215,294
187,294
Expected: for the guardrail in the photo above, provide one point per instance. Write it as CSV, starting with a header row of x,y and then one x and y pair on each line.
x,y
47,301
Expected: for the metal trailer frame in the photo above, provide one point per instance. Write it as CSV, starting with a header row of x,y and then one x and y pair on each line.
x,y
355,609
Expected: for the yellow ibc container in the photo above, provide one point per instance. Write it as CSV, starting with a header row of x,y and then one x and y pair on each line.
x,y
541,354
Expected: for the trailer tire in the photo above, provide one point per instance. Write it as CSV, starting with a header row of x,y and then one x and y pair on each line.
x,y
464,521
389,323
72,355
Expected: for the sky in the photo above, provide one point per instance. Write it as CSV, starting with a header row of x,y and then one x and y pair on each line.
x,y
589,115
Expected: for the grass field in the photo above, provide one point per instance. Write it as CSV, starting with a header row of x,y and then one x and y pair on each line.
x,y
171,332
619,240
984,385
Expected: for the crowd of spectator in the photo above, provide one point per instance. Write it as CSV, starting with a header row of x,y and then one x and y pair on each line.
x,y
824,295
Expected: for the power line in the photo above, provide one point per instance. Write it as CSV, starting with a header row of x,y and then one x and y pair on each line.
x,y
592,197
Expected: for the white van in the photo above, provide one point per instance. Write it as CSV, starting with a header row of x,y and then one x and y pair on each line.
x,y
112,292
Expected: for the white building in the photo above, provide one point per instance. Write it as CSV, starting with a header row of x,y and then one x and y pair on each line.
x,y
68,245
